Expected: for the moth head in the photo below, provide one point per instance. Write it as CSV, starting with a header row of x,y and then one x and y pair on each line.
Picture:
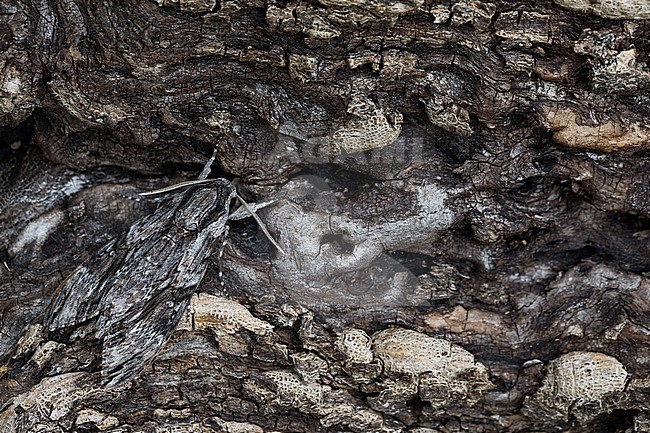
x,y
203,205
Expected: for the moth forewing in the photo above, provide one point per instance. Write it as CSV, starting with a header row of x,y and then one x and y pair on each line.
x,y
78,296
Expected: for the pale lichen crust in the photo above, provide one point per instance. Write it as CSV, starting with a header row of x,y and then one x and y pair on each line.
x,y
577,381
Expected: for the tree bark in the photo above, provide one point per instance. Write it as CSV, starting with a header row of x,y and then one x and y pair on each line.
x,y
462,189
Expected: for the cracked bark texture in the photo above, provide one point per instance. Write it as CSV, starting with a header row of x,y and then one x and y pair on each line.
x,y
462,189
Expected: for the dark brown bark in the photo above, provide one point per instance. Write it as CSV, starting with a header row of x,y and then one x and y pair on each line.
x,y
462,189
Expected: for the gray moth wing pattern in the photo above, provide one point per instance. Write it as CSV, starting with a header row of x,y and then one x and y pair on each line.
x,y
77,297
139,285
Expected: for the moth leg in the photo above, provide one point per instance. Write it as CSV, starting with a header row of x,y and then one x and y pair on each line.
x,y
259,222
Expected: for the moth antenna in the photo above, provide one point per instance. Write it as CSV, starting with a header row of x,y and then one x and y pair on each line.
x,y
208,166
175,186
242,212
203,178
260,223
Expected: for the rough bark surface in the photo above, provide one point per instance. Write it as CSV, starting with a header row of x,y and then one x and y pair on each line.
x,y
462,189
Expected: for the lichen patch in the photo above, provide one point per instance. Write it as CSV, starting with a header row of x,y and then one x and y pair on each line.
x,y
369,127
575,380
617,9
209,311
607,136
439,371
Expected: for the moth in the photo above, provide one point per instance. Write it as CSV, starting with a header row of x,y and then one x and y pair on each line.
x,y
139,285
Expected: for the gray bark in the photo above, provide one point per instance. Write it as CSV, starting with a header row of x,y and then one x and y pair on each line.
x,y
462,190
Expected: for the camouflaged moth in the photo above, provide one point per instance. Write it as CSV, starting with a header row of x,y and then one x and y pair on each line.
x,y
139,285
